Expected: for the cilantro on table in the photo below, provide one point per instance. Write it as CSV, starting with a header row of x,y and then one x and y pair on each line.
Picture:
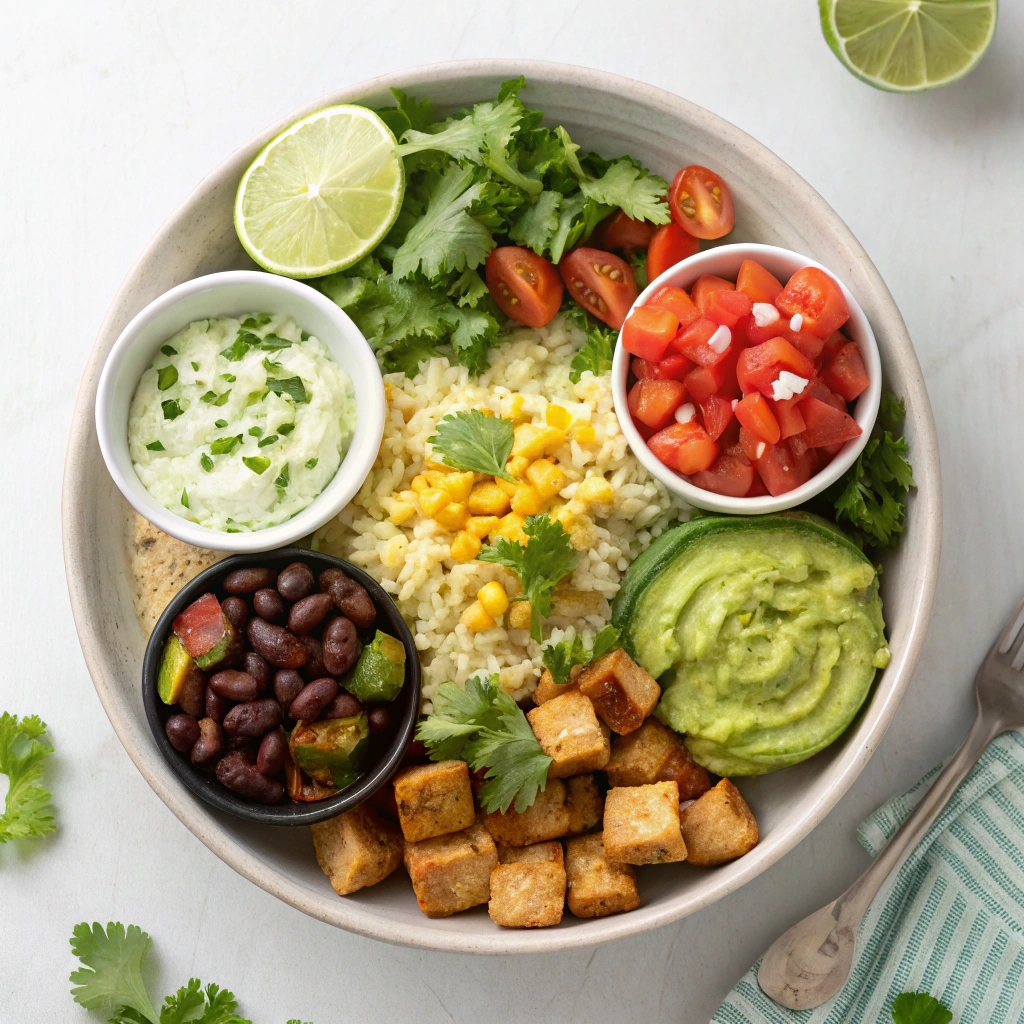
x,y
540,563
919,1008
23,749
561,658
476,443
483,725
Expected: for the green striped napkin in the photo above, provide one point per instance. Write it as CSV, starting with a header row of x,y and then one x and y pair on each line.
x,y
950,923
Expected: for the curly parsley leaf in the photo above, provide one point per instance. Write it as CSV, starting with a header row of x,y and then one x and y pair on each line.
x,y
632,188
919,1008
112,975
476,443
483,726
23,748
547,556
561,658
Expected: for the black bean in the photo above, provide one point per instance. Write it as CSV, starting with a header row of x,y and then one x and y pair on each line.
x,y
314,667
287,686
308,612
239,775
268,604
234,685
341,646
258,668
295,581
236,610
182,731
246,581
253,718
315,696
276,644
351,598
272,753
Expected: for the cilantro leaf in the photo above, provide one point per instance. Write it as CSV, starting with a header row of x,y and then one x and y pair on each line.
x,y
191,1004
638,261
919,1008
632,188
112,975
467,289
166,377
171,409
290,386
473,442
474,333
556,223
407,113
481,724
259,464
537,224
156,446
394,312
597,351
561,658
23,748
225,445
547,556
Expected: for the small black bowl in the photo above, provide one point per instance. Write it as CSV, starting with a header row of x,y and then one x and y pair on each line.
x,y
205,786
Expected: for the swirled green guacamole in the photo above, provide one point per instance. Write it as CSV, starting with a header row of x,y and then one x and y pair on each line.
x,y
764,632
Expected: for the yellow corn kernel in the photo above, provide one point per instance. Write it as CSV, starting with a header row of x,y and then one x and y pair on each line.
x,y
436,478
494,599
517,465
453,516
465,547
584,433
488,499
480,526
475,618
489,413
595,489
533,441
527,501
564,515
558,416
433,499
519,615
546,477
419,483
511,526
410,496
437,467
458,485
393,553
516,414
401,512
507,486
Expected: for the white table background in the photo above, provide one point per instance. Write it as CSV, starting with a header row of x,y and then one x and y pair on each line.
x,y
112,112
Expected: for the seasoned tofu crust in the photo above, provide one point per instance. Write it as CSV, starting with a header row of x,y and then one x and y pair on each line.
x,y
597,886
719,826
548,689
356,849
452,872
550,852
654,753
584,802
434,799
546,818
570,734
622,692
527,894
641,824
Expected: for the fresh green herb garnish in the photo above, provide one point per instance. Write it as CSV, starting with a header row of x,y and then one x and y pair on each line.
x,y
561,658
23,748
220,424
304,335
206,462
269,439
171,409
255,397
168,350
229,377
476,443
311,463
257,320
597,351
209,397
547,556
286,428
272,343
195,366
156,446
282,481
225,445
638,261
257,463
245,341
290,386
484,726
223,399
166,377
919,1008
270,366
184,498
255,431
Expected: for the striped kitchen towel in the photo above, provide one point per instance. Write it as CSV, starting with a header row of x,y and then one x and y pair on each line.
x,y
950,923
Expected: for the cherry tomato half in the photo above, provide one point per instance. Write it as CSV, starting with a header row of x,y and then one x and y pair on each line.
x,y
525,286
625,233
669,245
600,282
701,202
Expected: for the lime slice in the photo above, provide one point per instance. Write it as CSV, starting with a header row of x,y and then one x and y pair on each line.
x,y
908,45
321,194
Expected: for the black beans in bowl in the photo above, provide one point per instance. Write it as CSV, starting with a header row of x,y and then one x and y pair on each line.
x,y
246,677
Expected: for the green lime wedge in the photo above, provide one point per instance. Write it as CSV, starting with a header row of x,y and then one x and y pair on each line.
x,y
908,45
322,194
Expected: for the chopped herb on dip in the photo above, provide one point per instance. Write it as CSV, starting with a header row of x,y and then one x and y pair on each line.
x,y
257,453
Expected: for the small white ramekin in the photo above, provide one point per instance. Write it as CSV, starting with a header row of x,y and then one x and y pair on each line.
x,y
724,261
232,293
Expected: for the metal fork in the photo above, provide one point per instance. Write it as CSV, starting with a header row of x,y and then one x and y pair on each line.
x,y
810,963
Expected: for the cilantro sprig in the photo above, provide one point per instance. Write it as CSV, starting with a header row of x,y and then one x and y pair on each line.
x,y
23,749
483,725
919,1008
476,443
597,351
561,658
540,563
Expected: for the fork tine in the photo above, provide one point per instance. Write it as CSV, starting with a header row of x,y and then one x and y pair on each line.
x,y
1013,627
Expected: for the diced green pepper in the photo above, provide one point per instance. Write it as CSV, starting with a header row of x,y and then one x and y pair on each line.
x,y
380,671
331,751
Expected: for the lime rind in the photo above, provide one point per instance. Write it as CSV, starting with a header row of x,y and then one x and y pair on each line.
x,y
322,194
908,45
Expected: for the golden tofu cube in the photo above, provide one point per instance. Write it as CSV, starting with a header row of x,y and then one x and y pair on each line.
x,y
433,499
570,603
480,526
718,826
568,731
459,485
550,852
453,517
585,803
465,547
623,693
641,824
548,689
488,499
527,501
546,818
452,872
519,615
532,441
597,886
546,477
434,799
654,753
356,849
530,894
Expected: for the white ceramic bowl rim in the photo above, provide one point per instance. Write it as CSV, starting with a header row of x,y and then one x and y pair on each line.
x,y
138,344
710,261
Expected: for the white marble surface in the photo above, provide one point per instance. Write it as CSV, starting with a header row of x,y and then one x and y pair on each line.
x,y
112,112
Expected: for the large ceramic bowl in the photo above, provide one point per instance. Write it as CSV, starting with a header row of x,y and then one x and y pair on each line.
x,y
773,204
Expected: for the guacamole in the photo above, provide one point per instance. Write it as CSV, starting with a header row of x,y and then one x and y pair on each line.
x,y
764,632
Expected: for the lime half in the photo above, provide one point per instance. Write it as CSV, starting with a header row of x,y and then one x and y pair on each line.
x,y
322,194
908,45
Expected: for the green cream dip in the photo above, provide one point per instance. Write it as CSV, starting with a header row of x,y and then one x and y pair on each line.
x,y
764,632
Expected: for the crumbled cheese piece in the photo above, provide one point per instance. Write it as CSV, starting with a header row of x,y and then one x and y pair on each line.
x,y
796,322
720,340
787,385
686,413
764,313
734,403
760,449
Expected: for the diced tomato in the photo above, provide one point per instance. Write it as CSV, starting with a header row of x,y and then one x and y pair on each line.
x,y
805,462
693,342
704,381
750,444
730,437
826,453
701,202
716,412
757,335
669,245
648,331
788,416
758,367
754,413
803,341
833,343
642,369
525,286
625,233
678,302
817,388
755,281
726,475
654,402
827,425
846,374
696,452
202,627
600,282
672,367
665,443
705,287
779,471
798,444
757,488
727,307
817,298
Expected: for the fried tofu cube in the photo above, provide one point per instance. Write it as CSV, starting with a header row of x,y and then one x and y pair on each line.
x,y
623,693
641,824
527,894
719,826
550,852
546,818
585,803
654,753
597,886
452,872
519,615
548,689
356,849
568,731
434,799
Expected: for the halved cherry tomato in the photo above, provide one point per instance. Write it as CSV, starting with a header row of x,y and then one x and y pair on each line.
x,y
525,286
846,374
755,281
678,301
693,342
727,307
669,245
780,471
701,202
753,412
728,474
758,367
716,412
817,298
625,233
654,402
705,287
788,416
601,282
827,425
705,381
648,331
